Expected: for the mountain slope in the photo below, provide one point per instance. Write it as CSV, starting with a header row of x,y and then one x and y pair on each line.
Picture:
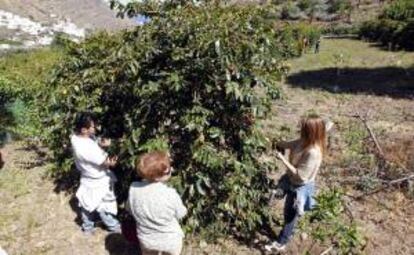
x,y
89,14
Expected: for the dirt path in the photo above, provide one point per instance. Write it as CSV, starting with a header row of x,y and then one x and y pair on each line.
x,y
36,220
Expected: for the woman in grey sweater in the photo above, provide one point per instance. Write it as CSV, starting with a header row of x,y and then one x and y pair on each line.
x,y
156,207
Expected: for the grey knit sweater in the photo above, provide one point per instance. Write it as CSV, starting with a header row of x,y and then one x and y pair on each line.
x,y
157,210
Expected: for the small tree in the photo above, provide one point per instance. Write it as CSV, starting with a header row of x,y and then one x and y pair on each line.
x,y
193,81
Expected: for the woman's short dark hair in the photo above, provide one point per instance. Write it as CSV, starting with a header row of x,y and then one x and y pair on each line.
x,y
84,120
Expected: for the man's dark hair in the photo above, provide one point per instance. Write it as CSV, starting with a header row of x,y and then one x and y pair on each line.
x,y
84,120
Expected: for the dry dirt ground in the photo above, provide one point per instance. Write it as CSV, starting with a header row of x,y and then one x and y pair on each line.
x,y
36,220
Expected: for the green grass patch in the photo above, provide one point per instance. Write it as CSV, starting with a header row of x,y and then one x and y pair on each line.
x,y
10,42
29,67
353,66
22,81
355,53
13,183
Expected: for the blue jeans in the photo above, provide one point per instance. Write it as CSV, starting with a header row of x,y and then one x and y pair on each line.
x,y
108,219
298,200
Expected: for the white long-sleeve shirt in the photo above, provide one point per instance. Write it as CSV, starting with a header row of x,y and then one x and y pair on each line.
x,y
157,210
95,190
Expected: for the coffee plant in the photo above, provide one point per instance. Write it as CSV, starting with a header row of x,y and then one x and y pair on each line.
x,y
194,81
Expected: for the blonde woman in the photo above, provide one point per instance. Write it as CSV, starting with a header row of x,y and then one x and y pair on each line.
x,y
303,163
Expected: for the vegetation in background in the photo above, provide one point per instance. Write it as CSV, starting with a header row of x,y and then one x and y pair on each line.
x,y
394,28
22,76
340,29
313,10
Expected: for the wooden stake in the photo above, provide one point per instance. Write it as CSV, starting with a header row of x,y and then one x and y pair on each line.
x,y
371,133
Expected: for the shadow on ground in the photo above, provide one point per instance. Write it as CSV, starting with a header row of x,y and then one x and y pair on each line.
x,y
67,182
387,47
116,244
386,81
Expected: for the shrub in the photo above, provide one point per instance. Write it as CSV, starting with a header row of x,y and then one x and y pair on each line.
x,y
303,30
394,27
7,93
340,29
326,223
194,80
291,11
401,10
22,86
340,6
17,111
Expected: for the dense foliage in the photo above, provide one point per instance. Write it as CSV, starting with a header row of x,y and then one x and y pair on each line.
x,y
394,28
194,81
22,76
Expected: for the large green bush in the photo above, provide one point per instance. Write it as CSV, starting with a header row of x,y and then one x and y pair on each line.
x,y
394,28
193,81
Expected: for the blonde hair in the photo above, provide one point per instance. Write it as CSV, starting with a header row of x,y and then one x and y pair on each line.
x,y
153,165
313,132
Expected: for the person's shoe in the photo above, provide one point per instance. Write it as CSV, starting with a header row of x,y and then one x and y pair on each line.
x,y
275,246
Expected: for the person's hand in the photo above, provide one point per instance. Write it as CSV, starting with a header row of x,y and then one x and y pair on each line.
x,y
105,142
279,155
113,160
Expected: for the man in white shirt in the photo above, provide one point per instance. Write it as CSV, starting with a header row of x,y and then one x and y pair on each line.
x,y
95,192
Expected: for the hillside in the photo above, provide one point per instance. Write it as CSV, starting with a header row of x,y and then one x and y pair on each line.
x,y
89,14
24,24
